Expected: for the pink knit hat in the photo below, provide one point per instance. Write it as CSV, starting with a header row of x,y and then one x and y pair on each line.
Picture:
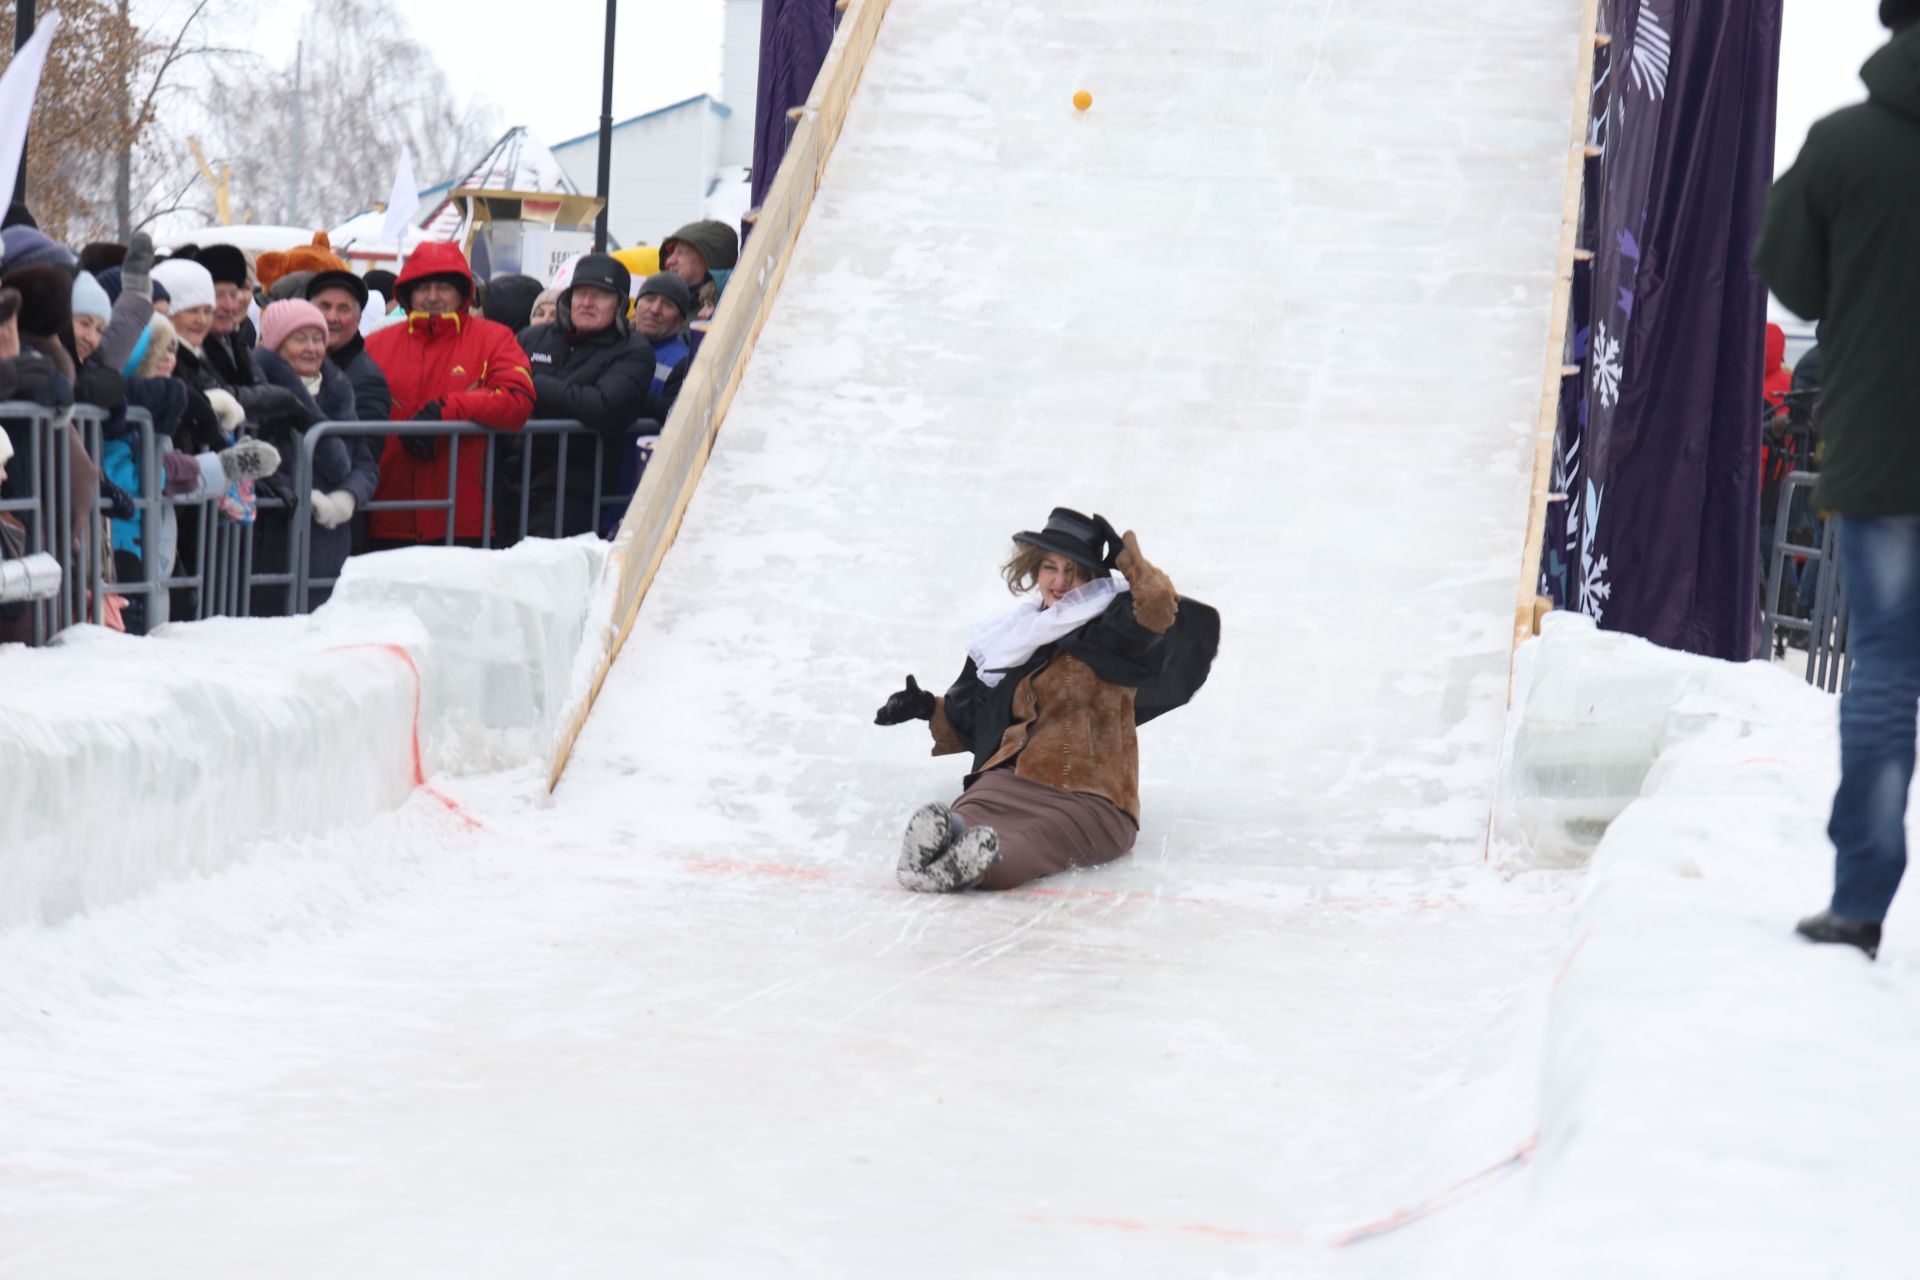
x,y
281,319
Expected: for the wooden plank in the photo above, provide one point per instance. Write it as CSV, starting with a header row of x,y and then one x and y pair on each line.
x,y
1543,438
654,517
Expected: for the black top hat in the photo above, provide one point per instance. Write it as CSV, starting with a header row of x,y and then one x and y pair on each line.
x,y
324,280
1087,540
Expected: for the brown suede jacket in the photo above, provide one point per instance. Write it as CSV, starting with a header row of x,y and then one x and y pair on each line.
x,y
1071,729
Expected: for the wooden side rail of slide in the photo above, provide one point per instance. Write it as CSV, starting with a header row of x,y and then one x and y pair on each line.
x,y
1526,620
653,520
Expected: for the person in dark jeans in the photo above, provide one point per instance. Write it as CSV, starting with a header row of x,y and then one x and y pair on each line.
x,y
1839,246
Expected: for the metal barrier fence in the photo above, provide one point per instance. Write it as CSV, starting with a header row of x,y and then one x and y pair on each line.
x,y
1810,604
219,574
41,479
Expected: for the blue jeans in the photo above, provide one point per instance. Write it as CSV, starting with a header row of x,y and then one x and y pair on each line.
x,y
1880,560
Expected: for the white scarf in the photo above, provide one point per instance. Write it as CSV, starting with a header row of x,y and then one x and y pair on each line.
x,y
1001,644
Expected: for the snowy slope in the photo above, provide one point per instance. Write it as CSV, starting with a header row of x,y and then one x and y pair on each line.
x,y
1279,301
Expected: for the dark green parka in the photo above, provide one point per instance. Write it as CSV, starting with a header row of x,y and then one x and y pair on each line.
x,y
1841,244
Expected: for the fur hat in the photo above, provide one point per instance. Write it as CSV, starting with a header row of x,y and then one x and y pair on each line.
x,y
667,285
188,283
23,246
318,256
89,299
1897,15
46,299
225,263
100,255
382,280
281,320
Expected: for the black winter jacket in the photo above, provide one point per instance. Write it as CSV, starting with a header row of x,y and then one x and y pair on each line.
x,y
1841,245
602,379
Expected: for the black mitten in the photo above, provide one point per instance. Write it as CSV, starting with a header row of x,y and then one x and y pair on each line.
x,y
911,703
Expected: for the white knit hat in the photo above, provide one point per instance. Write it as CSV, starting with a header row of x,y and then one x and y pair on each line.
x,y
6,449
188,284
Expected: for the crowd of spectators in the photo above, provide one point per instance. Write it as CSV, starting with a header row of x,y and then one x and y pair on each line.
x,y
237,357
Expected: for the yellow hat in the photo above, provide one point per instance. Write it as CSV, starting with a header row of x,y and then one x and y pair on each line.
x,y
640,261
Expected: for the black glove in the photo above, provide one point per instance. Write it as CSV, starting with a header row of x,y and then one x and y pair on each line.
x,y
911,703
423,448
1110,543
115,501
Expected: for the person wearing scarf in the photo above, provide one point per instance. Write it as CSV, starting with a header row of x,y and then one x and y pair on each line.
x,y
1047,705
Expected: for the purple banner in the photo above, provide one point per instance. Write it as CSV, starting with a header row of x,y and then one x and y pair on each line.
x,y
794,35
1658,447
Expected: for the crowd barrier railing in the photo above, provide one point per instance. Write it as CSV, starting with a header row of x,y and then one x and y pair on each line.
x,y
219,573
40,478
1811,604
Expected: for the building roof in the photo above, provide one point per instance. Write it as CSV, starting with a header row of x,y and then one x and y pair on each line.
x,y
518,162
713,104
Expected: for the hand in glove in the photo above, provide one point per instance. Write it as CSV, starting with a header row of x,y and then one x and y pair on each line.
x,y
420,447
331,510
115,501
911,703
249,460
135,271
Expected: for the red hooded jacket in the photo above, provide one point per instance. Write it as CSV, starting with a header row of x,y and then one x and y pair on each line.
x,y
476,370
1779,378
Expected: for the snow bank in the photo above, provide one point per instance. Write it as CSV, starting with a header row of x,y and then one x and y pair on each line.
x,y
1718,1097
125,763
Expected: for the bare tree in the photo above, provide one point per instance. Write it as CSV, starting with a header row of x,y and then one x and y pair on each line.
x,y
366,88
151,178
101,160
75,133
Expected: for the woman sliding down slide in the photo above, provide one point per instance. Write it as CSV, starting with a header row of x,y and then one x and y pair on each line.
x,y
1047,704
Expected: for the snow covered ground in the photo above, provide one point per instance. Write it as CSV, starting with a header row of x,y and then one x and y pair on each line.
x,y
1718,1097
1279,302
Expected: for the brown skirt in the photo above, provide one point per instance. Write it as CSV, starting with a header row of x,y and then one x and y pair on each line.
x,y
1043,829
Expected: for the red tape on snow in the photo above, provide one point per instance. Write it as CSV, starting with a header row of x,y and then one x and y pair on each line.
x,y
419,772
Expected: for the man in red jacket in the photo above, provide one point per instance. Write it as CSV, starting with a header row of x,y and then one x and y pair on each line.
x,y
443,365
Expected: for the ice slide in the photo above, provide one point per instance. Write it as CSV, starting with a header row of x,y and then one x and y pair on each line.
x,y
1280,302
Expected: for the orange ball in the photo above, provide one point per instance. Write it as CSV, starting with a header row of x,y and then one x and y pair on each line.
x,y
1082,100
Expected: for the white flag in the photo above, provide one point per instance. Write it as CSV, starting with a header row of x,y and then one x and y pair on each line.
x,y
18,86
403,204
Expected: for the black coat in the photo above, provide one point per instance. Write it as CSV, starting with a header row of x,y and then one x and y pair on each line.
x,y
337,464
231,355
1165,669
1841,245
603,380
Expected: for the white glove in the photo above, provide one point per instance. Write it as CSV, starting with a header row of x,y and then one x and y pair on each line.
x,y
331,510
226,410
249,460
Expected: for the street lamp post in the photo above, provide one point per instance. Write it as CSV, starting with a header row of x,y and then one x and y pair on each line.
x,y
606,136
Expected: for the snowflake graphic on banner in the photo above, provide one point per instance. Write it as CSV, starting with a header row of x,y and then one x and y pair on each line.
x,y
1606,366
1652,52
1595,590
